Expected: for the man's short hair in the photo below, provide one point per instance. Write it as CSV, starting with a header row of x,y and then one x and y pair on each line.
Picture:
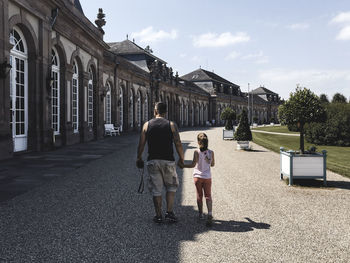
x,y
160,107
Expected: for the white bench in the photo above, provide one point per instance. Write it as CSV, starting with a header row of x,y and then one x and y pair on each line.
x,y
111,130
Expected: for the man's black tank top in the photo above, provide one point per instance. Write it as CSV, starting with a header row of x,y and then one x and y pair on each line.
x,y
160,140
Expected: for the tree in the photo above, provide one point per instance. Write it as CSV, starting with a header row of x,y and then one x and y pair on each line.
x,y
243,132
339,98
302,107
324,98
228,115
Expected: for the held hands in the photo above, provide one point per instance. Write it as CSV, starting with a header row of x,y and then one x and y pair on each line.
x,y
180,163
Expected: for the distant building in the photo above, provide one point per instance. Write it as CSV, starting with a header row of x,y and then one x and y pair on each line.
x,y
66,82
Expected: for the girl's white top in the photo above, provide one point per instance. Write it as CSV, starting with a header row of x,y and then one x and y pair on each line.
x,y
202,168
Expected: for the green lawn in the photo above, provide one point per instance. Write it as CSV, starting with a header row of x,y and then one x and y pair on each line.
x,y
338,158
281,129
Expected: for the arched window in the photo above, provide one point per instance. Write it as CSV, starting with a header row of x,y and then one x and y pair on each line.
x,y
181,113
192,115
167,108
146,108
55,92
121,104
186,114
19,90
75,98
131,110
108,105
90,99
138,109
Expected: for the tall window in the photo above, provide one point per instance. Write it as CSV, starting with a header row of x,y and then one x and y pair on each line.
x,y
131,110
145,117
121,104
108,104
55,92
75,97
192,115
167,108
90,102
181,114
19,89
138,109
186,114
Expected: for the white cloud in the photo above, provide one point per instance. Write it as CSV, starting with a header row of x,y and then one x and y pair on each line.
x,y
298,26
344,33
220,40
183,55
258,58
342,19
149,35
233,55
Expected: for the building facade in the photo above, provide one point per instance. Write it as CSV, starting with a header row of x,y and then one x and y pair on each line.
x,y
60,82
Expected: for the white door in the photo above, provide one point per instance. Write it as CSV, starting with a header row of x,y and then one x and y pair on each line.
x,y
19,92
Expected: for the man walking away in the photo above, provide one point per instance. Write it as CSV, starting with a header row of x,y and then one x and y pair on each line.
x,y
160,135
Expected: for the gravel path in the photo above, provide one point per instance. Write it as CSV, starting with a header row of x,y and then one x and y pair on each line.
x,y
94,214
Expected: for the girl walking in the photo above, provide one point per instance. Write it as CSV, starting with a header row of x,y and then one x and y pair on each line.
x,y
203,159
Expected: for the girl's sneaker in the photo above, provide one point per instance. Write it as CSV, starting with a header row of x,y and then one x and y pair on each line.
x,y
209,220
201,216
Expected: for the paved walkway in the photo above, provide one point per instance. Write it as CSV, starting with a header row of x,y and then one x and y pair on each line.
x,y
94,214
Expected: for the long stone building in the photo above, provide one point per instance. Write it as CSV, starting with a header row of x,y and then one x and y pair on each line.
x,y
60,82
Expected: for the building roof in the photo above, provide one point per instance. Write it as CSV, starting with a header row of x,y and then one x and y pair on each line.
x,y
204,75
262,90
77,5
128,47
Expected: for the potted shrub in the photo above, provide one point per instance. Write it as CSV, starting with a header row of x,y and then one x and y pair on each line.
x,y
229,116
255,121
243,134
302,107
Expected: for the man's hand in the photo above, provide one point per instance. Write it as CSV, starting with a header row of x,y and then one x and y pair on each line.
x,y
180,163
140,163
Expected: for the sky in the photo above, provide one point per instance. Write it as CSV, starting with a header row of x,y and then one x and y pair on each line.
x,y
278,44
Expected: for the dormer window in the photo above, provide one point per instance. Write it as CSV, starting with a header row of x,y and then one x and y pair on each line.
x,y
195,76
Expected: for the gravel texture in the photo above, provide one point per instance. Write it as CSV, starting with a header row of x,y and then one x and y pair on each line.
x,y
94,214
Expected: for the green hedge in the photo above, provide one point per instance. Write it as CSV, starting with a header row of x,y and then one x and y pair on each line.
x,y
335,131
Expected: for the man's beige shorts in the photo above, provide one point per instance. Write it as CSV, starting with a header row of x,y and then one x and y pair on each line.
x,y
162,173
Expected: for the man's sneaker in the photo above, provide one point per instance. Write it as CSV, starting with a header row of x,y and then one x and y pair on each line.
x,y
201,216
209,220
158,219
170,217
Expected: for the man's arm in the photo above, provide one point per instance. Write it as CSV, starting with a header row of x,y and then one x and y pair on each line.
x,y
212,159
177,141
142,141
194,161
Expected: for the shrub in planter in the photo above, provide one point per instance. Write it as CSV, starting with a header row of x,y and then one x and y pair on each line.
x,y
229,115
255,119
302,107
243,132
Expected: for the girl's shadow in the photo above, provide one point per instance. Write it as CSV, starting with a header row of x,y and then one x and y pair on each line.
x,y
238,226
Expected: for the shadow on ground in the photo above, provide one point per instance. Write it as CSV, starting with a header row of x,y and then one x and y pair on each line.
x,y
96,215
313,183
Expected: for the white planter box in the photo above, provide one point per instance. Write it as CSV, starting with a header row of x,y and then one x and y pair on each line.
x,y
303,166
228,134
242,145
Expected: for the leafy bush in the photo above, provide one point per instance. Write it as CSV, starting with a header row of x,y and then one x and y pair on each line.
x,y
228,115
243,132
335,131
338,98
